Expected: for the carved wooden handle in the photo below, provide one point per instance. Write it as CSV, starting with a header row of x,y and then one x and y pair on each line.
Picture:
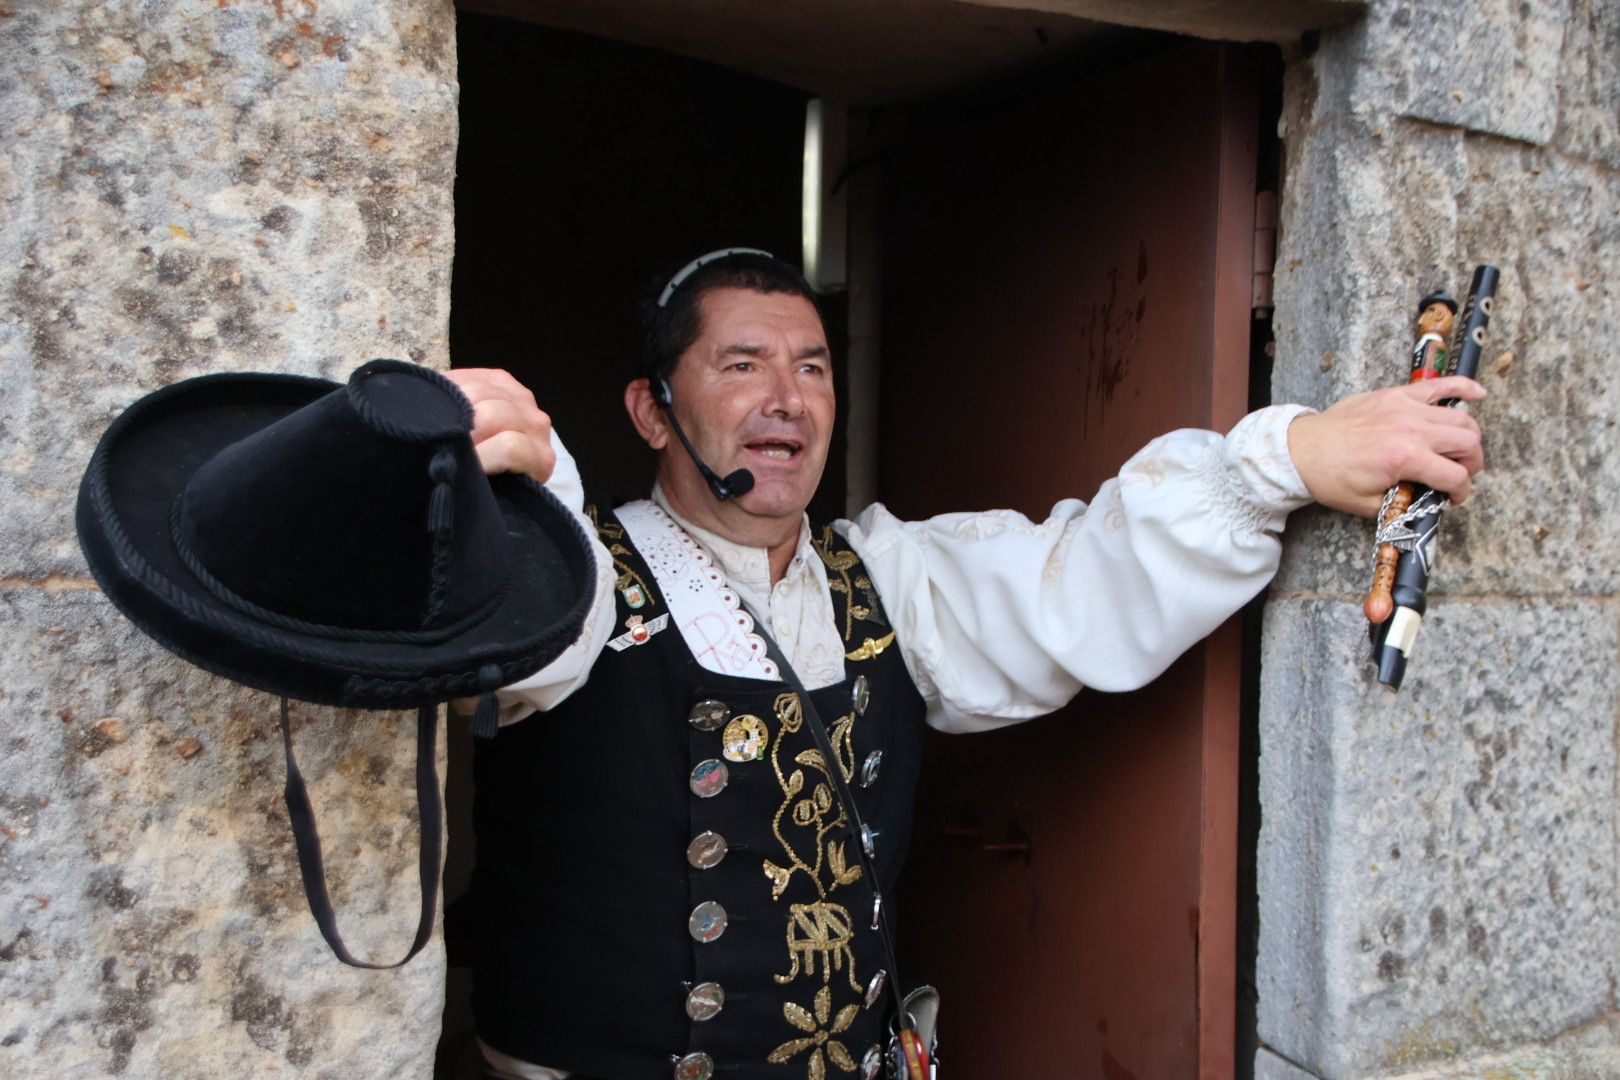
x,y
1380,603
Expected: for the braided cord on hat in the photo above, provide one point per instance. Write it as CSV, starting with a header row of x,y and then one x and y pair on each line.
x,y
380,422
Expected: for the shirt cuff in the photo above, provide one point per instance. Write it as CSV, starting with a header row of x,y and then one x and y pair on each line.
x,y
1259,469
565,482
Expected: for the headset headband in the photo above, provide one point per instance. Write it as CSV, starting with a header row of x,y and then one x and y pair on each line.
x,y
699,263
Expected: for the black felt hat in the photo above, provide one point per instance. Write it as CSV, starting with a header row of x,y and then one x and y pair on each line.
x,y
336,544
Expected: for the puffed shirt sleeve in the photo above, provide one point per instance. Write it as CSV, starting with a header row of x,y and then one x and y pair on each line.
x,y
1000,618
554,682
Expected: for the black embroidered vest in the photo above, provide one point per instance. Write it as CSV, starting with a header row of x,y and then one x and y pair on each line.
x,y
606,931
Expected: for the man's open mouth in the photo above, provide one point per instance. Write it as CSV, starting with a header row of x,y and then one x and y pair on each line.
x,y
779,449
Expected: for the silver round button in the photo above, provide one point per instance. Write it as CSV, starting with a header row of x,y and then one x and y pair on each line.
x,y
709,778
872,1063
874,989
877,909
870,768
699,1066
860,695
705,1001
709,715
869,841
707,921
706,850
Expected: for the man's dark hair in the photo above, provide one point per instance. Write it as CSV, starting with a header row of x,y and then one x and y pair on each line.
x,y
667,331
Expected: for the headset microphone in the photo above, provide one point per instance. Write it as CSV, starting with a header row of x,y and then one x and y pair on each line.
x,y
733,484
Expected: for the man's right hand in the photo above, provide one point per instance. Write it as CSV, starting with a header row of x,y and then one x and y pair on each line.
x,y
510,432
1353,451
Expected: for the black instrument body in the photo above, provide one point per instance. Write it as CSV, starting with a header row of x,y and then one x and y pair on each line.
x,y
1394,639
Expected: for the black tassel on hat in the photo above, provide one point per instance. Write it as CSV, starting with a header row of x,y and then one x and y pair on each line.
x,y
486,719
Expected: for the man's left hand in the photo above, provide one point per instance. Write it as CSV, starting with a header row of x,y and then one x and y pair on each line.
x,y
1349,454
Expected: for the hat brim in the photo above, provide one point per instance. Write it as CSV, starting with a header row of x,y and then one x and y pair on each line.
x,y
124,511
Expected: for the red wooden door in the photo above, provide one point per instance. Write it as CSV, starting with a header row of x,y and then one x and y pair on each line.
x,y
1062,283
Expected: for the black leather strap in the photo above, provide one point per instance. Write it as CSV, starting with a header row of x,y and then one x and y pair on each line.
x,y
429,809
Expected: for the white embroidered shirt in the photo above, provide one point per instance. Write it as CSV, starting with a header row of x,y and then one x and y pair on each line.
x,y
1000,618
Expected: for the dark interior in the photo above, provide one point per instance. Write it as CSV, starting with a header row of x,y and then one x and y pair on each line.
x,y
587,169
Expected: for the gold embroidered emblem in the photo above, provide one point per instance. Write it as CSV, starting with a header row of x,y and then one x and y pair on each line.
x,y
871,649
819,1027
819,930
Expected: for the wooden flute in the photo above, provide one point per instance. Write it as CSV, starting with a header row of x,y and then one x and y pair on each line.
x,y
1413,531
1431,358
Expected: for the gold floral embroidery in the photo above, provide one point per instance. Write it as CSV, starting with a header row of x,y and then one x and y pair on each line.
x,y
839,563
819,1028
809,825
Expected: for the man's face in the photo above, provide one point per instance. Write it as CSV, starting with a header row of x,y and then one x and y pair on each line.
x,y
1436,319
753,391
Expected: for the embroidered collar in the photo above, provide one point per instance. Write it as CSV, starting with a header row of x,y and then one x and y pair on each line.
x,y
748,569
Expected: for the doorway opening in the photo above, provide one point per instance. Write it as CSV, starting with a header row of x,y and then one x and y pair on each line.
x,y
586,169
589,165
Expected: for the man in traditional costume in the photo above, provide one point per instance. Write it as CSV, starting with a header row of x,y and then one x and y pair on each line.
x,y
703,901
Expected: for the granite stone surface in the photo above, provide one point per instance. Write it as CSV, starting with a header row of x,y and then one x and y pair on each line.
x,y
189,188
1490,66
1269,1065
152,920
1589,84
1437,867
1564,1059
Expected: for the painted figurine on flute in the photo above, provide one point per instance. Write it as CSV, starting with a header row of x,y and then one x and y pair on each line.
x,y
1409,522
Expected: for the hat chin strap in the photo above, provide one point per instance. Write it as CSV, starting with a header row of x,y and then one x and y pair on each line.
x,y
311,867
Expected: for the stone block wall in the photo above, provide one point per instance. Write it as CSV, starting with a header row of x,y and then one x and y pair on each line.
x,y
190,187
1438,868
